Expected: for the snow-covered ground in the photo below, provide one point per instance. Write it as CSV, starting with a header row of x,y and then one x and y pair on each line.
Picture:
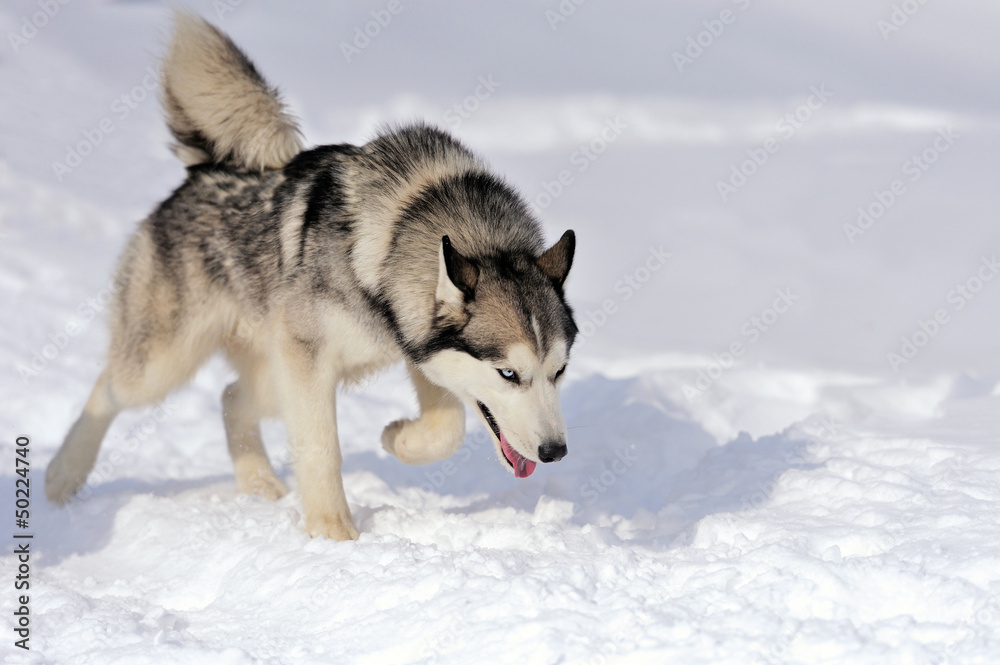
x,y
801,497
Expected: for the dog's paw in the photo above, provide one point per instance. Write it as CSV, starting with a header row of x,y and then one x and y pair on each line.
x,y
254,475
330,525
391,433
410,441
263,484
421,441
62,481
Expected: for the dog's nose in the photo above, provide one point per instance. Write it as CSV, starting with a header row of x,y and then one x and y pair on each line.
x,y
552,451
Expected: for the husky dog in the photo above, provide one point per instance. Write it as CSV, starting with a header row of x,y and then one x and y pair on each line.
x,y
312,268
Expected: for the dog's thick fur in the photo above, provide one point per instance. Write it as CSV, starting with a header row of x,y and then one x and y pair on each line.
x,y
313,268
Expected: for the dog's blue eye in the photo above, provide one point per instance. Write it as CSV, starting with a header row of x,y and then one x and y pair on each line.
x,y
508,374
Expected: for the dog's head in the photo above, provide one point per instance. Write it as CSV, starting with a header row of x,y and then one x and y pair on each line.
x,y
505,333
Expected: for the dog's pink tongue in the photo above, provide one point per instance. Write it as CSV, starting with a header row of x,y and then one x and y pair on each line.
x,y
523,467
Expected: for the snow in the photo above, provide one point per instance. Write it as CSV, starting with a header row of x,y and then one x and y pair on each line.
x,y
800,502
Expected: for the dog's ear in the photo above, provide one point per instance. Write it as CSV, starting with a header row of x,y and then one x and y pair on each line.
x,y
457,278
557,260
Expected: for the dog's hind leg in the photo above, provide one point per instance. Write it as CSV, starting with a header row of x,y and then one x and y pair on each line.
x,y
67,472
240,413
436,435
124,384
142,369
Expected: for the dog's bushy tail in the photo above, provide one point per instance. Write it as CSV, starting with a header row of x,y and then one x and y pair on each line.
x,y
219,108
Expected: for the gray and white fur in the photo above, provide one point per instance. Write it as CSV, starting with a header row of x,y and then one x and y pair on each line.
x,y
314,268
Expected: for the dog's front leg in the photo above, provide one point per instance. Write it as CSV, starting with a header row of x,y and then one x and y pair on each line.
x,y
436,435
307,391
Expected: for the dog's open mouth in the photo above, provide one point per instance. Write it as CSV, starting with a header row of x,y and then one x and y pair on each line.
x,y
523,467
